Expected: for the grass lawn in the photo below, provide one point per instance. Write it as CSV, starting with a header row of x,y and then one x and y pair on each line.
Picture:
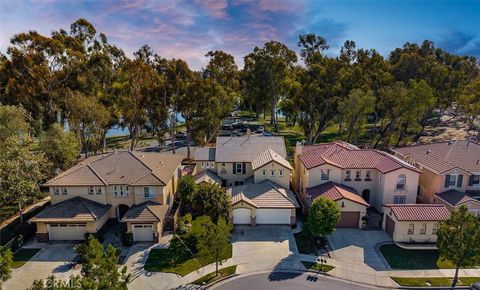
x,y
399,258
22,256
442,281
209,278
307,244
317,267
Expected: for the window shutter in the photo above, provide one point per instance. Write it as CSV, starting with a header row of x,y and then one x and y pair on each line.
x,y
447,178
459,181
471,179
244,168
234,167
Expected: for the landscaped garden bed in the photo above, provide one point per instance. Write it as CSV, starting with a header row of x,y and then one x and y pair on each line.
x,y
209,278
399,258
317,266
440,281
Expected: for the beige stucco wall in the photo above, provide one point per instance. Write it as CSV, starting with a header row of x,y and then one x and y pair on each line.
x,y
283,181
430,184
42,228
202,166
78,191
389,186
226,172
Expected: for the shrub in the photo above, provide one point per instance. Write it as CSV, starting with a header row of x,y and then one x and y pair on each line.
x,y
127,239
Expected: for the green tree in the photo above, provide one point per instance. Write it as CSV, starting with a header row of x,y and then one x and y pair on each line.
x,y
458,239
13,122
186,189
211,200
353,113
6,260
61,148
215,241
323,215
469,104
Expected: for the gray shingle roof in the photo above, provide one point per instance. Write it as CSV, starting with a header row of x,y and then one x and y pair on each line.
x,y
205,154
246,148
444,156
76,209
121,167
208,176
455,198
267,156
148,211
265,194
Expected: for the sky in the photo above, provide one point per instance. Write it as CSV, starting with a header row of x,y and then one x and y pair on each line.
x,y
189,29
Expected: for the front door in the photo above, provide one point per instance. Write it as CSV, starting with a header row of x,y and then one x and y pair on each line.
x,y
366,195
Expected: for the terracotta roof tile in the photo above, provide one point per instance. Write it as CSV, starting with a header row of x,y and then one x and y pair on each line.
x,y
419,212
335,191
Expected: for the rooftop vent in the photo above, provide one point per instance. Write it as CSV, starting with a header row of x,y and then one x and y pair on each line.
x,y
450,142
428,152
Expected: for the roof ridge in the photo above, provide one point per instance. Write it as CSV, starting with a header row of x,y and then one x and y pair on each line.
x,y
98,175
148,167
88,208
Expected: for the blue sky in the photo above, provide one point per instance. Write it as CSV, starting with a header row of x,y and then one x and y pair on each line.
x,y
188,29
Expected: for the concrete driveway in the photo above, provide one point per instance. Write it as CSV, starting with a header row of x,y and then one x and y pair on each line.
x,y
52,259
358,247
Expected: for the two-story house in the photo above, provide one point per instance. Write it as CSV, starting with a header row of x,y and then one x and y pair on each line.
x,y
257,176
450,172
133,187
355,178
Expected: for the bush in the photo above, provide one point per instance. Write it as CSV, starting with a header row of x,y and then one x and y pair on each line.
x,y
97,236
127,239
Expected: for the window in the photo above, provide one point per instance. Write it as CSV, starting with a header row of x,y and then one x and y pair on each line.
x,y
121,190
65,191
451,180
148,192
203,164
272,172
399,199
358,174
91,190
435,228
99,190
401,181
281,172
238,168
348,175
56,190
264,172
238,183
423,229
367,175
115,192
324,173
411,229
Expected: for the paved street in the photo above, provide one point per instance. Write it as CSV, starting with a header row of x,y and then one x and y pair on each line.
x,y
288,281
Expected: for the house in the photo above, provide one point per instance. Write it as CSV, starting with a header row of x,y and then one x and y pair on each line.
x,y
133,187
346,170
257,176
413,223
450,172
353,206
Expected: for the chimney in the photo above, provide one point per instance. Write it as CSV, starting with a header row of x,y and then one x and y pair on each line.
x,y
248,133
298,148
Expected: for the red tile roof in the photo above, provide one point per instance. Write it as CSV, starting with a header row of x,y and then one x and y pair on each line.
x,y
335,191
345,155
419,212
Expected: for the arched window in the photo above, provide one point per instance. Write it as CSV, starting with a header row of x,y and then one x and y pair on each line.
x,y
401,181
423,229
435,228
411,229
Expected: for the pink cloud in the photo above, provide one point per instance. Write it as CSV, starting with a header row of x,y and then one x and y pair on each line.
x,y
214,8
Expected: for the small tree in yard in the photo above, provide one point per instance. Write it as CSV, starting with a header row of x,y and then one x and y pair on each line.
x,y
459,240
215,241
186,189
211,200
6,259
323,215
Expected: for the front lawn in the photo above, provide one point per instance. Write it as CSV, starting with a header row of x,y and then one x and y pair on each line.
x,y
399,258
209,278
22,256
308,244
440,281
317,267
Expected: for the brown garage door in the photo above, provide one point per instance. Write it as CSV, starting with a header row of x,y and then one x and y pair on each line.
x,y
389,226
349,219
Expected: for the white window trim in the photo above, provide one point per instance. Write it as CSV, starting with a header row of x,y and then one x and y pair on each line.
x,y
151,192
281,172
238,166
272,172
411,231
455,180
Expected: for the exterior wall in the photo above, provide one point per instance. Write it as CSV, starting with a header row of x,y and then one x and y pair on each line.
x,y
204,165
226,172
430,183
389,187
401,230
78,191
254,213
283,181
157,229
42,228
347,205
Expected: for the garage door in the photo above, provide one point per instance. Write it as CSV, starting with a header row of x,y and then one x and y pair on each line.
x,y
273,216
241,216
349,219
67,232
143,233
389,226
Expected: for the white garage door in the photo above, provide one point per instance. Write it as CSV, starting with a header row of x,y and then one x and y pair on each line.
x,y
143,233
241,216
275,216
67,232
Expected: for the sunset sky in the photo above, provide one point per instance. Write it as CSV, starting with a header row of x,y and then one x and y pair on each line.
x,y
189,29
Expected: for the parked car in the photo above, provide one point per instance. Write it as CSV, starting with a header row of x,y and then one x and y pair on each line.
x,y
260,129
267,134
475,286
181,135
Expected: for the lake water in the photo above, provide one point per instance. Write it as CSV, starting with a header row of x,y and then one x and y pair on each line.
x,y
118,131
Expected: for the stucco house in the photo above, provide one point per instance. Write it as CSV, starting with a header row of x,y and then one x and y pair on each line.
x,y
256,174
133,187
376,177
413,223
450,173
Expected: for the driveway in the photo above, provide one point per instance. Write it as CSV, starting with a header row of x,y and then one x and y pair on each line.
x,y
52,259
358,247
